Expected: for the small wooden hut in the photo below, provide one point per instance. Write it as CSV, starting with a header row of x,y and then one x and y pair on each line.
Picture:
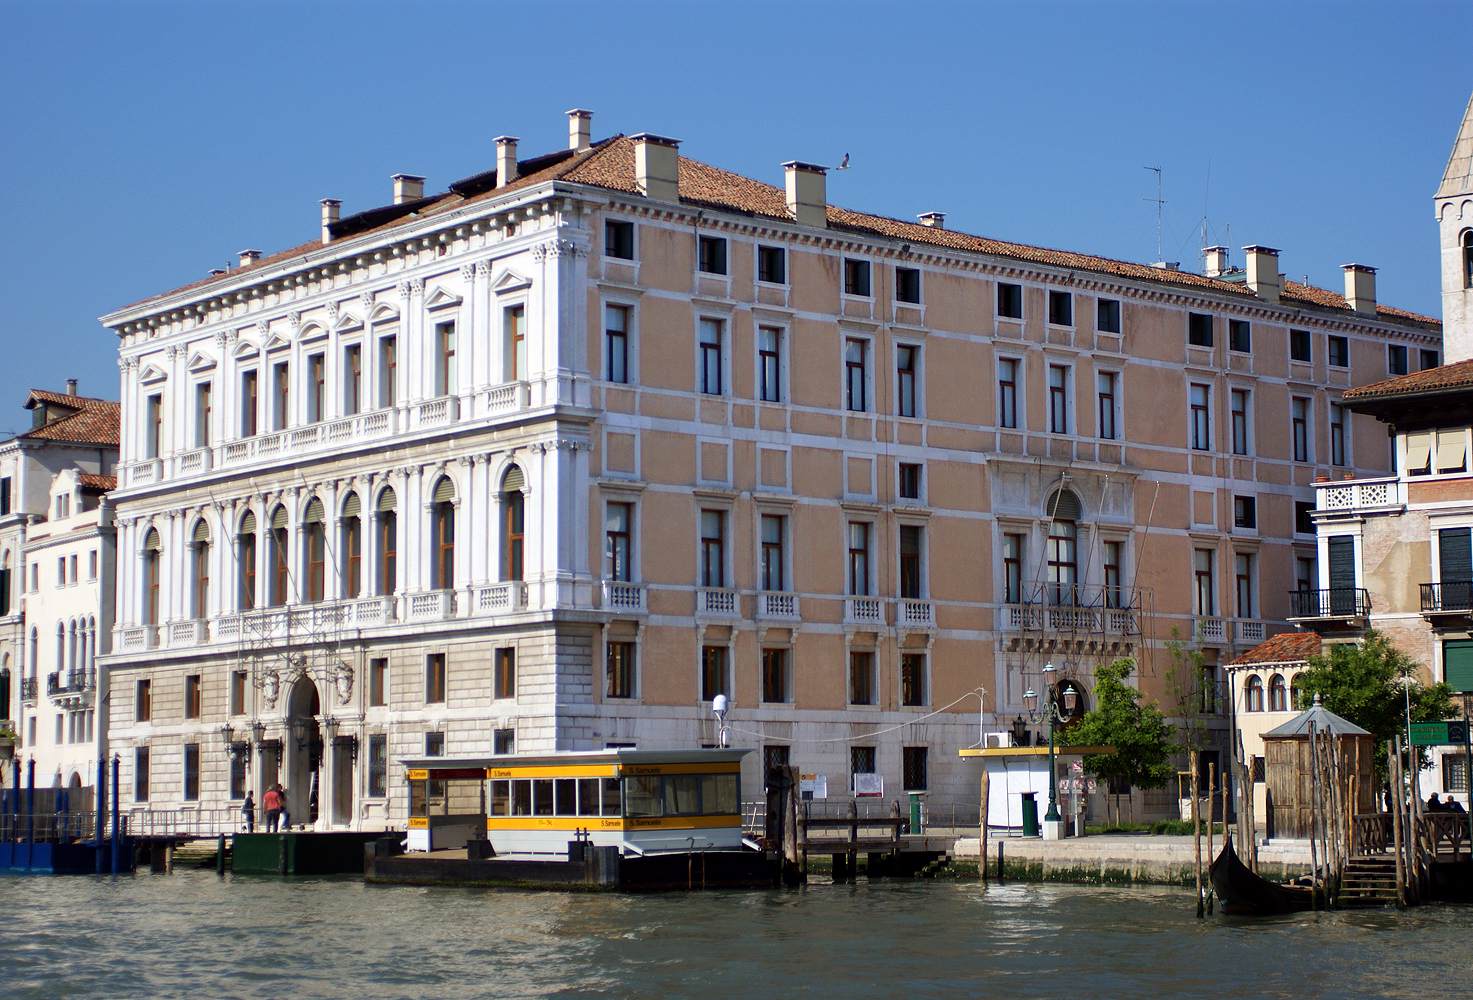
x,y
1290,777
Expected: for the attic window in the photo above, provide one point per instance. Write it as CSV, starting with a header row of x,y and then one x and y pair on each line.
x,y
1199,329
712,254
619,239
1339,352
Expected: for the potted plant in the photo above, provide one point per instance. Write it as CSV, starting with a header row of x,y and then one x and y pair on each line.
x,y
7,741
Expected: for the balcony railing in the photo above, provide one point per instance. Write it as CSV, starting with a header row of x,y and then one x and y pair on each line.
x,y
620,595
1073,607
777,604
58,685
1210,630
1447,597
864,611
1329,604
1250,632
500,598
430,605
718,601
1382,493
912,613
28,689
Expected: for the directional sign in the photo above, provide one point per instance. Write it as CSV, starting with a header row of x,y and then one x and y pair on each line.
x,y
1434,734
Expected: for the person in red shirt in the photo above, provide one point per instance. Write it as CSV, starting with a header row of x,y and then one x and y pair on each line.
x,y
271,802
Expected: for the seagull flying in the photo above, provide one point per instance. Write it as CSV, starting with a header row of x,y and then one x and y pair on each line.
x,y
844,163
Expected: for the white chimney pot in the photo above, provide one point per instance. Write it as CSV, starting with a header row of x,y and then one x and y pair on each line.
x,y
580,129
332,210
1263,272
408,187
1360,288
807,193
506,159
657,166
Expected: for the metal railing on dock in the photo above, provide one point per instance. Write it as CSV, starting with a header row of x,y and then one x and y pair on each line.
x,y
184,823
48,828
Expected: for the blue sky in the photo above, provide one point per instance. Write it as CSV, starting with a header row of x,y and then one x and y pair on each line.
x,y
147,142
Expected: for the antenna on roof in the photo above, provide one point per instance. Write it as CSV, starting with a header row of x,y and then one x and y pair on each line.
x,y
1160,205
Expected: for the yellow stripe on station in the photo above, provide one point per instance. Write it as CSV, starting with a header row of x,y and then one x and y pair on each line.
x,y
419,822
640,770
419,774
611,822
552,771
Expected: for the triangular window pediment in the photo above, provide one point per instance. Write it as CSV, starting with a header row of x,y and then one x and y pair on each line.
x,y
277,343
153,373
201,363
441,299
510,281
347,321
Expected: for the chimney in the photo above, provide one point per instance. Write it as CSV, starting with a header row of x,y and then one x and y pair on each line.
x,y
807,186
249,257
408,187
1215,261
215,272
1360,288
936,220
657,166
580,129
1263,272
506,159
71,387
332,209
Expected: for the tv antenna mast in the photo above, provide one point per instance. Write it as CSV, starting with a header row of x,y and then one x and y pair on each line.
x,y
1160,206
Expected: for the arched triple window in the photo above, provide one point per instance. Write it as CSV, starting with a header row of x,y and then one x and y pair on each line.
x,y
314,551
199,570
513,526
386,541
279,559
1253,694
245,562
152,564
1062,511
350,547
442,535
1278,695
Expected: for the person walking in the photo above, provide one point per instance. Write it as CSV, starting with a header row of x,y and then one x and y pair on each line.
x,y
271,801
286,812
248,812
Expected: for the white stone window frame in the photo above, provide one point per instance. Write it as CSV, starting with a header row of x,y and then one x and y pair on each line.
x,y
340,397
1020,391
783,326
862,515
1322,553
1251,549
1071,396
724,320
774,507
633,495
704,501
790,678
847,334
1048,312
787,252
1435,524
511,290
913,519
876,687
1250,435
868,261
1118,406
630,303
603,243
602,666
926,674
919,344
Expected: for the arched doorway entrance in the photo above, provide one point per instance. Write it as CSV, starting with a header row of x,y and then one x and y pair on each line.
x,y
303,751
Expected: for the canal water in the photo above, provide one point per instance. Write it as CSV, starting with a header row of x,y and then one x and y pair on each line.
x,y
192,934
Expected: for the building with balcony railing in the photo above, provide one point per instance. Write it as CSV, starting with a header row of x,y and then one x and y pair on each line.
x,y
550,459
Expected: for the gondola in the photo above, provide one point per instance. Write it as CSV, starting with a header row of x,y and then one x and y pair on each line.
x,y
1242,891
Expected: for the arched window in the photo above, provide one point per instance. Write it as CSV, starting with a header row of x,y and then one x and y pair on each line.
x,y
1296,695
1277,694
442,535
34,652
1253,694
60,647
245,562
314,550
5,684
350,547
513,506
1063,510
279,559
386,540
70,666
4,593
152,562
91,644
1468,258
199,570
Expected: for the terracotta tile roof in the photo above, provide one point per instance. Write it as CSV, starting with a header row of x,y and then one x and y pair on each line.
x,y
1286,647
95,481
1445,378
610,164
94,421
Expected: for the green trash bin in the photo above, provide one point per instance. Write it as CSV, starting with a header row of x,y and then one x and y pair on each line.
x,y
1030,815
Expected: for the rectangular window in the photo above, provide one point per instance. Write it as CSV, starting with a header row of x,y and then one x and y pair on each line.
x,y
1306,576
143,701
775,676
240,762
1429,359
859,558
92,565
1107,315
856,277
913,680
1299,428
503,742
388,370
1245,512
856,375
281,395
1012,569
619,670
1205,597
769,364
911,544
1201,396
1007,392
378,681
1303,518
1009,301
514,332
204,412
238,692
1454,565
1060,308
713,548
1240,336
774,558
1338,450
907,360
1396,359
1243,580
192,700
772,265
434,744
1058,399
140,774
316,386
352,379
1238,404
378,765
506,673
1199,329
862,687
618,519
619,239
714,679
1113,560
1107,392
154,427
712,250
908,285
1301,346
1338,351
1454,772
191,772
711,351
4,496
445,382
616,343
913,761
435,679
861,761
910,481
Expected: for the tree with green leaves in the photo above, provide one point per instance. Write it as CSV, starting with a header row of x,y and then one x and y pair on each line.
x,y
1141,736
1363,682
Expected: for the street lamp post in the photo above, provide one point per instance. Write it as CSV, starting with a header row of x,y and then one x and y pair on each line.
x,y
1058,707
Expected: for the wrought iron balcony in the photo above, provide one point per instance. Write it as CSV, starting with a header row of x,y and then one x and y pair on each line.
x,y
1450,597
1329,604
1073,607
28,689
